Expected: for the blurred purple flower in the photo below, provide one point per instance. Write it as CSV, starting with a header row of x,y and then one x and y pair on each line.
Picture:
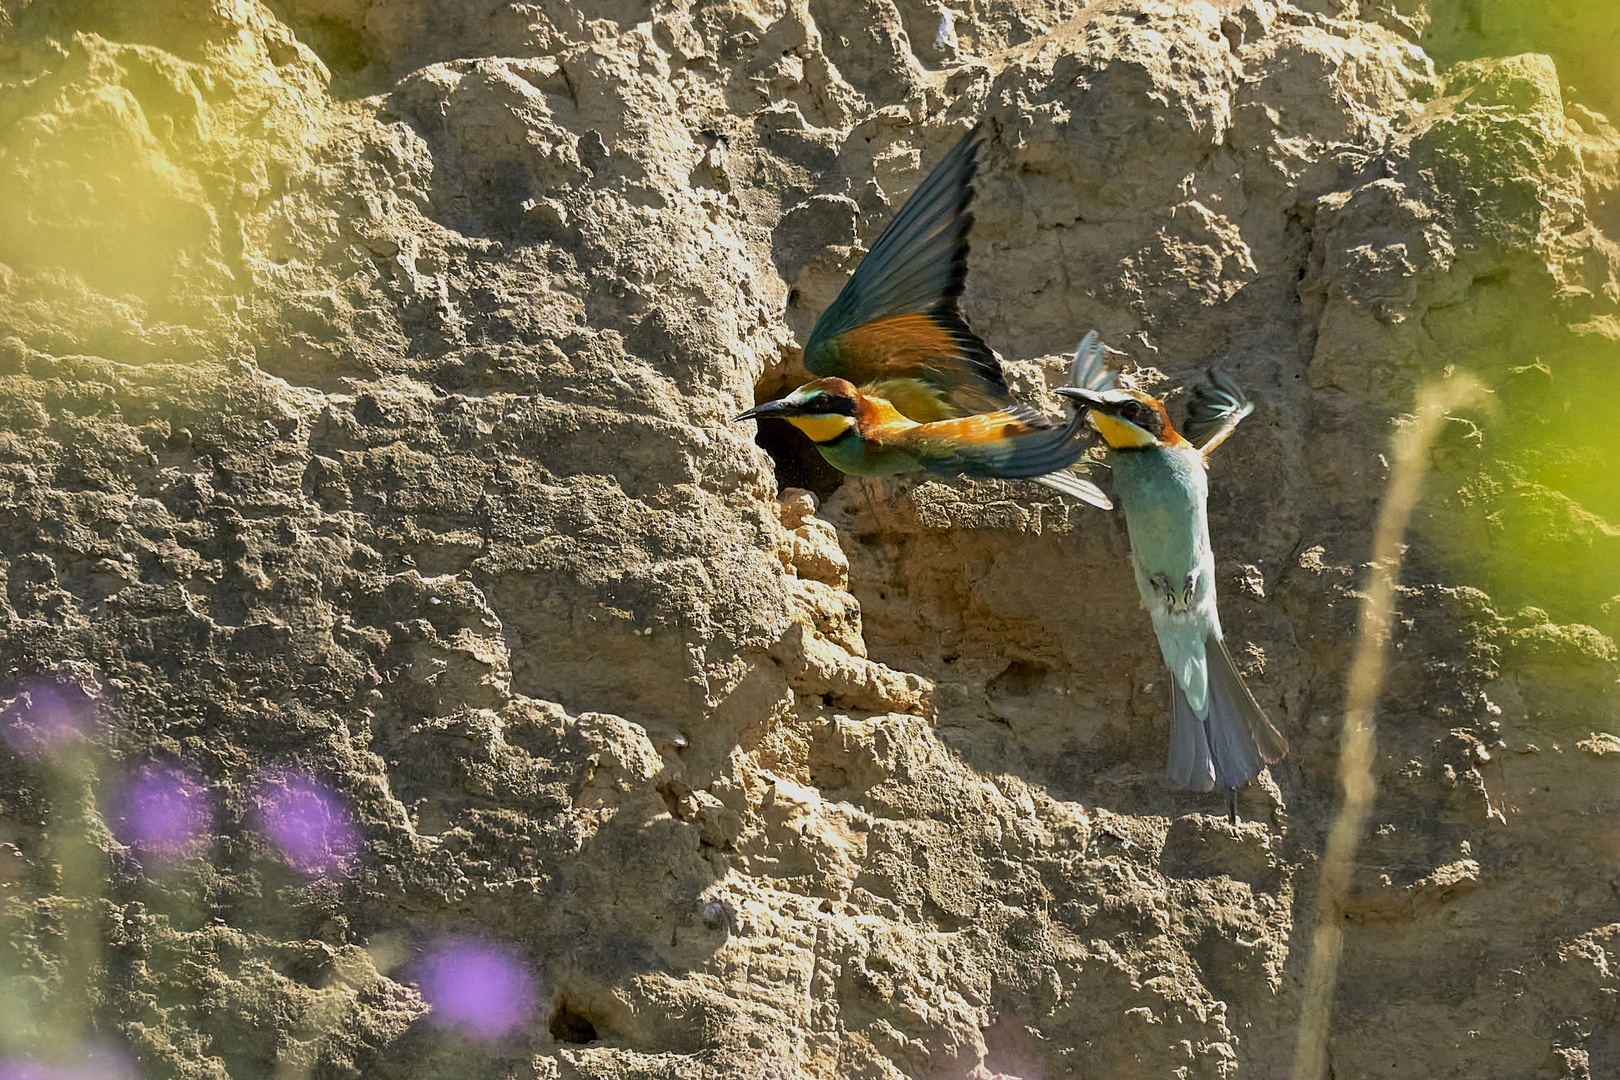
x,y
476,986
162,809
23,1069
45,716
309,823
98,1061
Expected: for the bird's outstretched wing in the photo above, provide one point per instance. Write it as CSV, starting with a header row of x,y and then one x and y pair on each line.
x,y
1089,369
896,329
1214,410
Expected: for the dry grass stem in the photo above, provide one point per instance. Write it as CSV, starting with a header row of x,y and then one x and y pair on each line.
x,y
1410,451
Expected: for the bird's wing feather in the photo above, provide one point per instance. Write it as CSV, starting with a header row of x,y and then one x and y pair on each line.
x,y
1015,443
1214,411
1089,369
1086,370
1071,483
897,319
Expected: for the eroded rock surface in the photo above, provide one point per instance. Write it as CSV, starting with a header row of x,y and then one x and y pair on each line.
x,y
367,378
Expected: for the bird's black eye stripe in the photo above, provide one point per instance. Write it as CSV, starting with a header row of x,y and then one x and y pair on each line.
x,y
830,403
1131,411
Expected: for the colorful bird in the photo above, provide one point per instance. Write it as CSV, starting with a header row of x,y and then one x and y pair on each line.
x,y
905,384
1219,737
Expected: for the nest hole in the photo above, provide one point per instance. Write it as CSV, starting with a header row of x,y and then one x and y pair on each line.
x,y
798,463
1021,678
569,1025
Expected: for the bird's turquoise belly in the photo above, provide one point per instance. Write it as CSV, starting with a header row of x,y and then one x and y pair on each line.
x,y
861,458
1164,512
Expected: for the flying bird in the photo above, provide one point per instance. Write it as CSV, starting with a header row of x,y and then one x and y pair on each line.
x,y
904,385
1219,736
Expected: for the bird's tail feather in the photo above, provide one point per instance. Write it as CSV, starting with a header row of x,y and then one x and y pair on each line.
x,y
1189,765
1231,746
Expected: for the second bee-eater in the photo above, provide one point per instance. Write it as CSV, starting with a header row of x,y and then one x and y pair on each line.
x,y
905,385
1219,737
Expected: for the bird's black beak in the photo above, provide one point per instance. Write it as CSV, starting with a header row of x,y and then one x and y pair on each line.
x,y
1089,398
778,408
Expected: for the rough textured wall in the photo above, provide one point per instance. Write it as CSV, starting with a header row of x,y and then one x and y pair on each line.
x,y
366,375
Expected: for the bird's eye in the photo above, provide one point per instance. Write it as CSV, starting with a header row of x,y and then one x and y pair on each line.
x,y
1131,411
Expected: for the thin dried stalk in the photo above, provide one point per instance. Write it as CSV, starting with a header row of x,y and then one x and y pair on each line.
x,y
1356,781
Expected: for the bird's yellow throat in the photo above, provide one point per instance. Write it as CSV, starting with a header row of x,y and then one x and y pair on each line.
x,y
1120,434
822,428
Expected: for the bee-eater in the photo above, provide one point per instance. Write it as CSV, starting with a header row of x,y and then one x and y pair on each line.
x,y
905,384
1219,737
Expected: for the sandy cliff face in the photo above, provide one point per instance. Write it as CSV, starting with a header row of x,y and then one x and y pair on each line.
x,y
366,381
